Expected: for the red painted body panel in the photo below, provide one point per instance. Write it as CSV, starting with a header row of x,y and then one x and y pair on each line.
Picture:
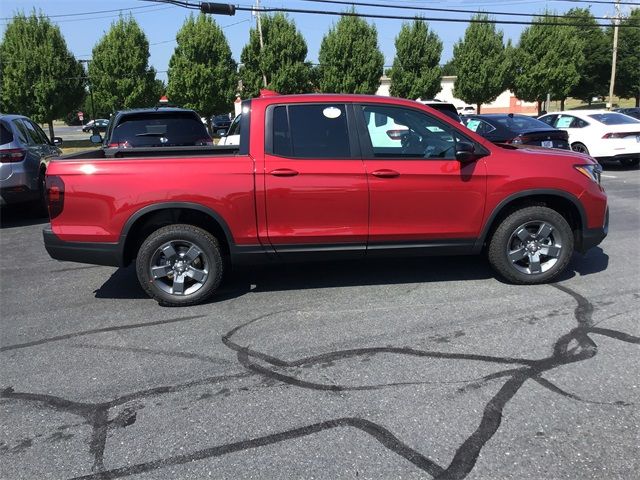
x,y
328,201
101,195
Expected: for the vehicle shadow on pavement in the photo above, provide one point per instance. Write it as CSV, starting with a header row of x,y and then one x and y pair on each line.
x,y
123,283
20,216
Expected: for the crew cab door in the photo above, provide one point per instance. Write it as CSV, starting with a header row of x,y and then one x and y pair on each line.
x,y
420,195
315,181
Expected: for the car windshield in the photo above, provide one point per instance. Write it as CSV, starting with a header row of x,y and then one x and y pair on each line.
x,y
519,123
160,130
613,118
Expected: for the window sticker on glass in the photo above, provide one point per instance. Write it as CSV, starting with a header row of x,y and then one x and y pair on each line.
x,y
564,122
473,125
331,112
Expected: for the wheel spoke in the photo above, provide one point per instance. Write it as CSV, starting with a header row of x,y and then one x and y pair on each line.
x,y
197,275
192,253
544,231
517,255
178,284
160,271
523,234
534,263
551,251
169,252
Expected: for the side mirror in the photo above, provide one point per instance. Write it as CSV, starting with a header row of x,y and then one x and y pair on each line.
x,y
96,138
57,141
465,152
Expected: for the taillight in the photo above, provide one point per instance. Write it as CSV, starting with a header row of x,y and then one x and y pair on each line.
x,y
12,155
395,134
614,135
55,195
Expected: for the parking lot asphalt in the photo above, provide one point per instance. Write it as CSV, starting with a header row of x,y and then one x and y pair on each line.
x,y
428,368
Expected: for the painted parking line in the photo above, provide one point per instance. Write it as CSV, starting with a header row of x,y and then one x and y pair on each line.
x,y
608,176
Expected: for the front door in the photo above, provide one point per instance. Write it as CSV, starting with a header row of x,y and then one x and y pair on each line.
x,y
420,195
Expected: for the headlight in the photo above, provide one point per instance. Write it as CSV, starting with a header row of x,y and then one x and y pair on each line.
x,y
590,171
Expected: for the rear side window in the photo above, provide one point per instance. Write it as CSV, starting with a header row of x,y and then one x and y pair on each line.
x,y
6,136
311,131
549,119
173,129
23,133
36,133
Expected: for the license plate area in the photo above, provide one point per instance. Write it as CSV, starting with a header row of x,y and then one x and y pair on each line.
x,y
547,143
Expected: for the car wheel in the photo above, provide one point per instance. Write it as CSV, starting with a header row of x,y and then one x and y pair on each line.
x,y
180,265
40,205
630,162
580,148
532,245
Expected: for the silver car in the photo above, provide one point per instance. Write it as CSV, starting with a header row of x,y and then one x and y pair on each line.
x,y
25,151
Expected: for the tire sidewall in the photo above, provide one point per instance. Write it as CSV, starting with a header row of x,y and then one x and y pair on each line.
x,y
207,244
500,239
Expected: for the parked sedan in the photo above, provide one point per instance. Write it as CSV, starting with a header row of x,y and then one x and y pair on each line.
x,y
99,124
606,136
25,151
516,130
220,124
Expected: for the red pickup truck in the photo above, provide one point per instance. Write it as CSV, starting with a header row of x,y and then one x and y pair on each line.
x,y
323,176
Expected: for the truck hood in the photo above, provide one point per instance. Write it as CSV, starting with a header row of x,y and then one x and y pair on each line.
x,y
536,151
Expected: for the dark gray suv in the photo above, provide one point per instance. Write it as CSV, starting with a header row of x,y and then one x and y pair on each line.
x,y
25,151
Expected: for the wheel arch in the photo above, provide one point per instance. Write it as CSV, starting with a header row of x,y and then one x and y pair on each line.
x,y
562,202
148,219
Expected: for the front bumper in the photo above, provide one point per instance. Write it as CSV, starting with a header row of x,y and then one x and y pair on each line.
x,y
96,253
594,236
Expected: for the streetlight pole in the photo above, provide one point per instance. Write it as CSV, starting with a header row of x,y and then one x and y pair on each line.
x,y
257,12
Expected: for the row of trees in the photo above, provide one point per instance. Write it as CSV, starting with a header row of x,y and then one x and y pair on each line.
x,y
39,76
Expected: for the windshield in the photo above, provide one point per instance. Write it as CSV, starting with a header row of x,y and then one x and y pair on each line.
x,y
613,118
175,129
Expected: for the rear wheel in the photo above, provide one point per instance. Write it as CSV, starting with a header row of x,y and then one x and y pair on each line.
x,y
580,148
180,265
532,245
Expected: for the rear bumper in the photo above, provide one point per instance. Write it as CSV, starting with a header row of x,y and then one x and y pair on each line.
x,y
615,158
109,254
593,236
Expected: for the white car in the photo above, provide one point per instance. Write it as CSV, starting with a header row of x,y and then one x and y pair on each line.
x,y
232,137
604,135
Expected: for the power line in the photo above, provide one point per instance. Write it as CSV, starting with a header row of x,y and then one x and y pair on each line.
x,y
447,10
90,13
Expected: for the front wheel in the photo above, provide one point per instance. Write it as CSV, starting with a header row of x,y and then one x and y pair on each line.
x,y
531,246
180,265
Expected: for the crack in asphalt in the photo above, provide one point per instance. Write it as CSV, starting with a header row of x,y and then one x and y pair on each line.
x,y
574,346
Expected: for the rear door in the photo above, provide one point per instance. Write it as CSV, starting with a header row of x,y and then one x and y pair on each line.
x,y
315,182
420,195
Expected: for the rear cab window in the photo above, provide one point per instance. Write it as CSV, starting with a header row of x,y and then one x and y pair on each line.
x,y
318,131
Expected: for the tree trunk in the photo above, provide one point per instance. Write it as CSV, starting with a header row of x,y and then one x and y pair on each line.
x,y
539,107
478,105
51,130
562,104
638,100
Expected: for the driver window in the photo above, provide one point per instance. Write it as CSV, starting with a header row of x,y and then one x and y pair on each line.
x,y
397,132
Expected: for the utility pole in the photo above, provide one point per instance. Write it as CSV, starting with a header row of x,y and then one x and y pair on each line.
x,y
616,22
257,12
93,108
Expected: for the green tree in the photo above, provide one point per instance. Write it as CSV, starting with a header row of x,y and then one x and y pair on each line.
x,y
282,60
119,70
39,77
202,74
596,49
449,68
627,84
350,60
416,71
481,63
548,60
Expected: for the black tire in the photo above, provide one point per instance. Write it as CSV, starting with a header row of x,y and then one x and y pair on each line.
x,y
630,162
580,147
540,236
183,275
40,205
